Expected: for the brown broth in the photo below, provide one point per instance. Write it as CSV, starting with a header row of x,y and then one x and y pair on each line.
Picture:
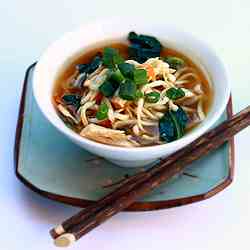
x,y
59,88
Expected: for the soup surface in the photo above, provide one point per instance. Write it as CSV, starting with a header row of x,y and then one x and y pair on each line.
x,y
131,95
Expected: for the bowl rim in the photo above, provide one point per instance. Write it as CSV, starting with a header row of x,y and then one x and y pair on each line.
x,y
207,123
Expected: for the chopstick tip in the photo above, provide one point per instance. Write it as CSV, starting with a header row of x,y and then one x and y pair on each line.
x,y
59,229
65,240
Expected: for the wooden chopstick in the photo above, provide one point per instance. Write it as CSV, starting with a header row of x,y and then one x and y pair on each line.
x,y
138,185
134,180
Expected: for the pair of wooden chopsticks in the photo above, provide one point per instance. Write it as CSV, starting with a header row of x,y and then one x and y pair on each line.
x,y
138,185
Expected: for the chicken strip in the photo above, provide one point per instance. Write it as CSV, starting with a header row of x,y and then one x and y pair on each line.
x,y
106,135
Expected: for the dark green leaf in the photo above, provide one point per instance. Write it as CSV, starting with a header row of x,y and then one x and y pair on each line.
x,y
108,88
141,54
140,76
95,63
178,128
90,67
152,97
172,125
174,62
132,36
181,117
175,93
127,69
111,57
144,41
82,68
102,112
128,90
167,128
143,47
71,99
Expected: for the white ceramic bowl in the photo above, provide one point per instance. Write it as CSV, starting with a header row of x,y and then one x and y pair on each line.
x,y
63,51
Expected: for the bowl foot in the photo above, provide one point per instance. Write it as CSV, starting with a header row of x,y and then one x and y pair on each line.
x,y
133,164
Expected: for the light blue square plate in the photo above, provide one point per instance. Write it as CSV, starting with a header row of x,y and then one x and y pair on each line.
x,y
51,165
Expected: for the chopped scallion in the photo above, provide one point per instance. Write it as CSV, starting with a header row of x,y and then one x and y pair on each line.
x,y
140,76
102,112
108,88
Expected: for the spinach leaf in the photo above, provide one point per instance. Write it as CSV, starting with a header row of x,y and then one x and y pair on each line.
x,y
181,117
71,99
167,128
175,93
172,125
90,67
144,40
179,131
143,47
111,57
141,54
